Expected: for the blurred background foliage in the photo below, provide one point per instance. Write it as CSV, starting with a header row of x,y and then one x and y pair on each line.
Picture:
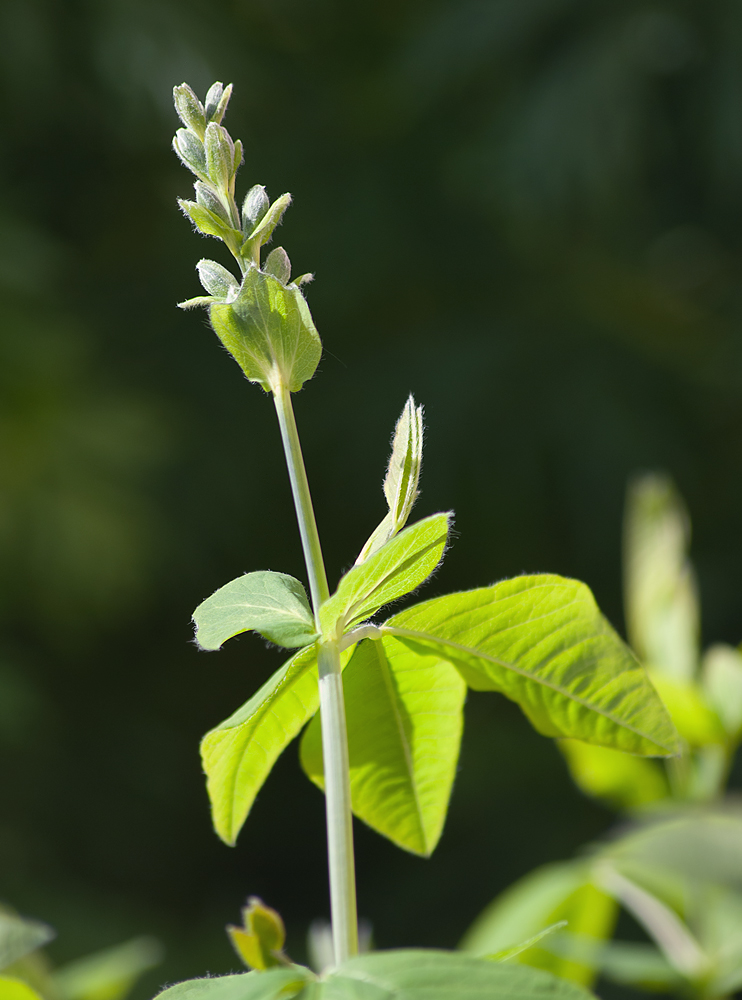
x,y
527,212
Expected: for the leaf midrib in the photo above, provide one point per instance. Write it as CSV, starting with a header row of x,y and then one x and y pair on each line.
x,y
406,750
478,654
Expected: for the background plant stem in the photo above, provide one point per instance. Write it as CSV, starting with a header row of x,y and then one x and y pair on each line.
x,y
332,705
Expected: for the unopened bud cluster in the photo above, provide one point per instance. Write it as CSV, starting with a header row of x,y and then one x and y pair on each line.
x,y
261,317
210,153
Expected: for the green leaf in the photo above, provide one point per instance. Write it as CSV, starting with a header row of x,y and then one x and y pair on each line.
x,y
273,604
395,570
268,330
660,588
694,719
542,642
552,893
405,718
19,936
238,755
722,684
207,222
15,989
108,974
635,964
439,975
620,779
518,949
272,217
274,984
402,477
260,940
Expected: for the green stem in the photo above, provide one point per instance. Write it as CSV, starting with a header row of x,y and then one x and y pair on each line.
x,y
302,498
332,704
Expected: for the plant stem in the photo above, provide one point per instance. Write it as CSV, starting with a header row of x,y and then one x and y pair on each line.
x,y
302,498
332,704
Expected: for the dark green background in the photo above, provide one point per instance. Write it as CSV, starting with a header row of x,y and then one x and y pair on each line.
x,y
527,212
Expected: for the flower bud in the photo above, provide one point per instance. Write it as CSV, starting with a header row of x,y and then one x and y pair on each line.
x,y
191,151
190,110
278,264
206,196
217,280
219,155
254,207
217,100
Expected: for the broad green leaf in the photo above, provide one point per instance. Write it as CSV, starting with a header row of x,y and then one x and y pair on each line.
x,y
394,570
555,892
620,779
661,602
402,477
273,604
15,989
109,974
439,975
542,641
275,984
19,936
405,718
269,331
238,755
722,684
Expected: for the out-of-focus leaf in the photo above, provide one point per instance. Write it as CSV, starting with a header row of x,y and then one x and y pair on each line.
x,y
507,953
15,989
260,940
238,755
620,779
673,937
269,331
695,721
434,975
660,590
274,984
108,974
19,936
394,570
555,892
273,604
722,684
541,641
404,715
634,964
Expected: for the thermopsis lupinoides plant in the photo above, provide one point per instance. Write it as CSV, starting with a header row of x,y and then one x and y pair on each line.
x,y
381,698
